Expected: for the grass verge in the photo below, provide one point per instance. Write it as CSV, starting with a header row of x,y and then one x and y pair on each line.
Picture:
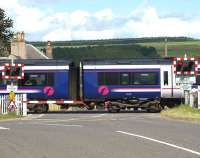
x,y
11,115
182,112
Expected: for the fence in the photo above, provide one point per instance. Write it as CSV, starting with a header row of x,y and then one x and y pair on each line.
x,y
19,105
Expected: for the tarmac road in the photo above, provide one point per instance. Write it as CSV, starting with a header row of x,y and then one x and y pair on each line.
x,y
99,135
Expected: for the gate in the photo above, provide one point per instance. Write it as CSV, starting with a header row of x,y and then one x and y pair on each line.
x,y
19,104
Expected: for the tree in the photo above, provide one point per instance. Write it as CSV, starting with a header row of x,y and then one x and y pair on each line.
x,y
5,33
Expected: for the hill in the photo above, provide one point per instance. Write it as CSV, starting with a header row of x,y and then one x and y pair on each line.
x,y
104,52
122,48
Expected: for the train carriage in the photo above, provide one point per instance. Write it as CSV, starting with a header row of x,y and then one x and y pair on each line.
x,y
144,79
43,81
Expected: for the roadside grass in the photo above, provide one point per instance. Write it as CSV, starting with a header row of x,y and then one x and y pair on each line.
x,y
11,115
182,112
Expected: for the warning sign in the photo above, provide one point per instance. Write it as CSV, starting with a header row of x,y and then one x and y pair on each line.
x,y
11,105
12,88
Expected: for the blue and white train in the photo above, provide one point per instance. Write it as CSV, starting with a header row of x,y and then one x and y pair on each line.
x,y
115,84
120,81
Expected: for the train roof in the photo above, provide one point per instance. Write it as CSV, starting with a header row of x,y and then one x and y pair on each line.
x,y
38,62
136,61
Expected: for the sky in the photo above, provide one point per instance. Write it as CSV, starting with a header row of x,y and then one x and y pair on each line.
x,y
61,20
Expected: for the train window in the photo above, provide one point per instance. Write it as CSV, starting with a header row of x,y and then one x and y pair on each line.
x,y
50,79
1,80
112,78
108,78
166,78
124,78
101,78
198,79
38,79
144,78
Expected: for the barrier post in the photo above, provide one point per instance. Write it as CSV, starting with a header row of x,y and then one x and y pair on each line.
x,y
191,98
5,103
24,105
17,103
186,95
198,97
1,102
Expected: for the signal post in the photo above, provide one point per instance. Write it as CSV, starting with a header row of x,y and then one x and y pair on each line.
x,y
12,73
186,70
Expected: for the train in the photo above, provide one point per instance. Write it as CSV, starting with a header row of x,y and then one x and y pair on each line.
x,y
114,85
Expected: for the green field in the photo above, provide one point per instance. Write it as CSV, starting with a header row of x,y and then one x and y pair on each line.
x,y
191,48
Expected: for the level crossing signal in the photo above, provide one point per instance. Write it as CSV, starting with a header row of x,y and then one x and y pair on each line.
x,y
185,66
13,71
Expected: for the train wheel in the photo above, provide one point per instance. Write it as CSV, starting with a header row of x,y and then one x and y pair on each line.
x,y
154,108
91,105
41,108
45,108
37,109
114,109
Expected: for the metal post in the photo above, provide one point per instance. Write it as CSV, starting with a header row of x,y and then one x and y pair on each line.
x,y
191,99
24,104
1,102
186,95
17,104
198,97
166,51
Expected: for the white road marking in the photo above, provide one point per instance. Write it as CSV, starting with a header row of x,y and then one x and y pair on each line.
x,y
64,125
161,142
96,116
30,116
57,120
4,128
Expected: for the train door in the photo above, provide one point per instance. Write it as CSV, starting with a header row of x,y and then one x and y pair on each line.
x,y
167,80
73,82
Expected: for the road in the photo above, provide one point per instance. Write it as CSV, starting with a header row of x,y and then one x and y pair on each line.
x,y
99,135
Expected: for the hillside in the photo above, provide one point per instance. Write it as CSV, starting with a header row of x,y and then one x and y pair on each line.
x,y
104,52
122,48
176,48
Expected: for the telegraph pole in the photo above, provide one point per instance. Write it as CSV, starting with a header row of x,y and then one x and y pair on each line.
x,y
166,48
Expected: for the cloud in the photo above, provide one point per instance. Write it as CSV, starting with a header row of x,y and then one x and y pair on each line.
x,y
105,14
151,25
143,21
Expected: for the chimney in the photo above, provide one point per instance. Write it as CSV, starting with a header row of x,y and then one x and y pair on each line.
x,y
18,45
49,50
